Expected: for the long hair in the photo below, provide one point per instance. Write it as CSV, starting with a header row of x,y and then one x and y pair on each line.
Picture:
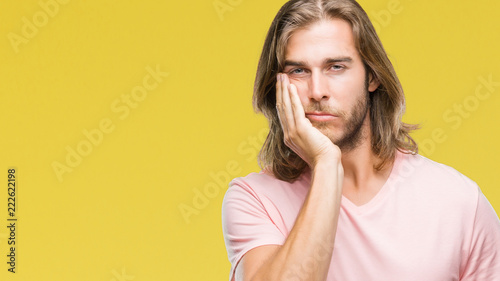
x,y
388,132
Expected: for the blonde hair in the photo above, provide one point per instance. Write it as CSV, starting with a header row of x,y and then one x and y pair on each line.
x,y
388,132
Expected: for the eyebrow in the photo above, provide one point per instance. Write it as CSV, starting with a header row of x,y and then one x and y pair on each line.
x,y
326,61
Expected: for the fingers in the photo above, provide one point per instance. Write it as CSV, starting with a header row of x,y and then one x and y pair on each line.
x,y
278,90
297,115
287,104
289,109
298,110
299,134
279,103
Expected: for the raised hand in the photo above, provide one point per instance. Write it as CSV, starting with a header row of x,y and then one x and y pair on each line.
x,y
299,134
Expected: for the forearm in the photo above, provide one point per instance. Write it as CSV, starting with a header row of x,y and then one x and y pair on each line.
x,y
307,251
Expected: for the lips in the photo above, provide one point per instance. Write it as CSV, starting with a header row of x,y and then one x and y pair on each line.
x,y
321,113
320,116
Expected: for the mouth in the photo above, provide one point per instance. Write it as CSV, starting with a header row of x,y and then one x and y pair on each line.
x,y
320,116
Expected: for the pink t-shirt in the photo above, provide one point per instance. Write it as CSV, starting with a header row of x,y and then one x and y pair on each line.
x,y
427,223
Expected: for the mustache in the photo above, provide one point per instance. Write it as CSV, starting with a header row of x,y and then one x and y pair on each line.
x,y
322,107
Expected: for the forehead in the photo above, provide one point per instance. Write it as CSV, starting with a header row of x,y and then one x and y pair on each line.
x,y
327,38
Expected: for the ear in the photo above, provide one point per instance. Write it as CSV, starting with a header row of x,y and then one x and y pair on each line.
x,y
373,84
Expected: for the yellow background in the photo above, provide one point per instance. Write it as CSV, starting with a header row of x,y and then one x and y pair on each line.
x,y
116,215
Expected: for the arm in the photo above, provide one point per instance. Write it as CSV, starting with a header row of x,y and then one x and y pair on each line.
x,y
307,251
483,262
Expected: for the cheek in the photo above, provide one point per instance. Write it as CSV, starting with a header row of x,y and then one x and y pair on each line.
x,y
302,89
349,89
346,84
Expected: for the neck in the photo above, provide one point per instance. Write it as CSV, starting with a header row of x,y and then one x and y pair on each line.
x,y
359,162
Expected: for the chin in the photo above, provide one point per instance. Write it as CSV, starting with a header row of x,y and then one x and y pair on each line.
x,y
329,133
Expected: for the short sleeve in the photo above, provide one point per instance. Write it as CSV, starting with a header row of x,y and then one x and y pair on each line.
x,y
245,223
484,258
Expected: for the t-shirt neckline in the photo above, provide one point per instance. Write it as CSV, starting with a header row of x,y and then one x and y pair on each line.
x,y
381,194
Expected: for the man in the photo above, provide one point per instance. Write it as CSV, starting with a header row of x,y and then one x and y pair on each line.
x,y
343,194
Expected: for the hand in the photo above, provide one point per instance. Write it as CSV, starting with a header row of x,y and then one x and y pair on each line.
x,y
299,134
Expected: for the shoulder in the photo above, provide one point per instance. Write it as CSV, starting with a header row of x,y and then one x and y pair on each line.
x,y
436,171
264,195
254,181
263,184
437,179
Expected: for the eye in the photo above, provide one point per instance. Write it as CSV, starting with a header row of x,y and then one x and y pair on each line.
x,y
337,67
294,71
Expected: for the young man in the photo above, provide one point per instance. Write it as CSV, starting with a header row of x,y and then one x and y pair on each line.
x,y
343,194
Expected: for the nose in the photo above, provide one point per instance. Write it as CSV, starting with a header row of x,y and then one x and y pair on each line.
x,y
318,87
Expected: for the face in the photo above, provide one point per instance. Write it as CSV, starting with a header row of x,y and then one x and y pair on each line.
x,y
323,63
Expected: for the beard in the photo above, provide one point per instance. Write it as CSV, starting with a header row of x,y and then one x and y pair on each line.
x,y
352,135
